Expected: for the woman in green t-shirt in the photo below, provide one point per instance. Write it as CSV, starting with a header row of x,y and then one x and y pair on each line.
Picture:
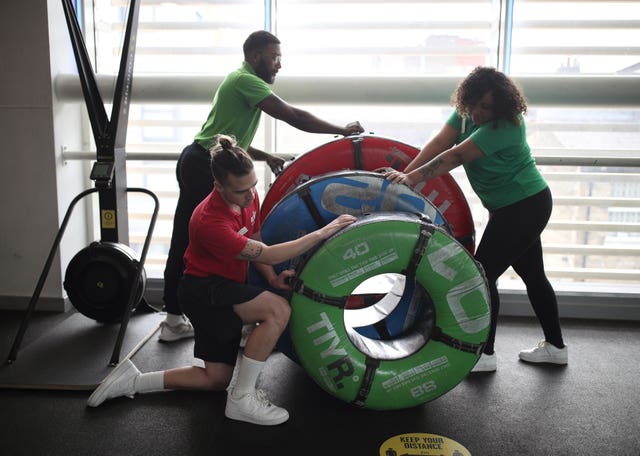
x,y
487,135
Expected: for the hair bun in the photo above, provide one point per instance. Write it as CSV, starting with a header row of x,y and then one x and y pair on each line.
x,y
226,142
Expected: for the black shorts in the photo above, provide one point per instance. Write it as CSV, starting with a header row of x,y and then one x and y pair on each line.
x,y
207,302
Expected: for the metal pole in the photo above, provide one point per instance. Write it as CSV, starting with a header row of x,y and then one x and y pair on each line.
x,y
43,277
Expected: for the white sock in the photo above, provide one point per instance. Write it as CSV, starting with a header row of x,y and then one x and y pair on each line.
x,y
150,382
248,372
173,319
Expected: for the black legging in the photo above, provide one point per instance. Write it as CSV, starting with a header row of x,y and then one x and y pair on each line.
x,y
195,180
512,238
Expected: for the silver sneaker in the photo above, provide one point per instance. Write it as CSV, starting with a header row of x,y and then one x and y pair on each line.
x,y
545,352
120,382
255,408
170,333
486,363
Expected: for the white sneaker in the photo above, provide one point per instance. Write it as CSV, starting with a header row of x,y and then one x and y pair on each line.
x,y
545,352
120,382
486,363
170,333
255,408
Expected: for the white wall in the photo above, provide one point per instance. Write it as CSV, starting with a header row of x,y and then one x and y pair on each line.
x,y
36,186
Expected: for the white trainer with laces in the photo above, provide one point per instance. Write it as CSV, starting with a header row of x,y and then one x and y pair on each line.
x,y
120,382
486,363
255,408
545,352
170,333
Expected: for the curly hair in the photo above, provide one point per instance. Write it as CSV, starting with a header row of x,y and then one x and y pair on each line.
x,y
257,41
509,101
228,158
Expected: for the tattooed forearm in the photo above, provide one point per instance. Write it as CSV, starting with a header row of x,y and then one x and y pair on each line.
x,y
430,169
251,251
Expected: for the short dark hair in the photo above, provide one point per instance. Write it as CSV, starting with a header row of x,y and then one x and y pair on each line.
x,y
229,158
509,101
257,41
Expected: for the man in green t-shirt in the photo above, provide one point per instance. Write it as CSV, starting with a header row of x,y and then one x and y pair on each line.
x,y
237,105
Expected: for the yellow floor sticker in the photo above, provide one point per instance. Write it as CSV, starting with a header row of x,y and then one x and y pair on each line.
x,y
422,445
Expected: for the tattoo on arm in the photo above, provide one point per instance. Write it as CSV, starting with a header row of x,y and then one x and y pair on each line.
x,y
429,170
251,251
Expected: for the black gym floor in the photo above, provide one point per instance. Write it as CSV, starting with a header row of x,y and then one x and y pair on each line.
x,y
590,407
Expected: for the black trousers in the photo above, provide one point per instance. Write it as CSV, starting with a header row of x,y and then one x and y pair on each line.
x,y
512,238
195,180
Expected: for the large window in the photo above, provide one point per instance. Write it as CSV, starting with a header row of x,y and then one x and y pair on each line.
x,y
373,39
575,37
399,48
176,37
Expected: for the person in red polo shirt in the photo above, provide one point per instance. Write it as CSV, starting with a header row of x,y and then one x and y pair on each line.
x,y
224,236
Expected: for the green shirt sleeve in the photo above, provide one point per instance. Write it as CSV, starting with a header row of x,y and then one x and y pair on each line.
x,y
252,88
234,110
507,173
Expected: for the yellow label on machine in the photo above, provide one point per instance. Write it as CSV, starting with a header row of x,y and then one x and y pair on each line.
x,y
108,218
